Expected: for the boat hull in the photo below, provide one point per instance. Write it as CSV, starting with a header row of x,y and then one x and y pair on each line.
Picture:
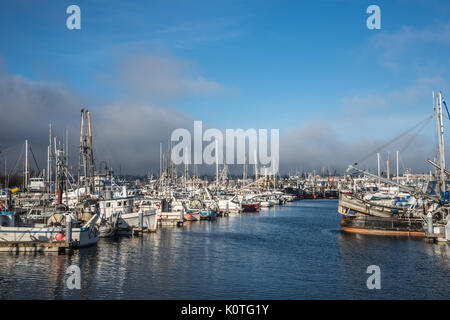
x,y
131,220
28,234
394,226
84,237
250,207
81,237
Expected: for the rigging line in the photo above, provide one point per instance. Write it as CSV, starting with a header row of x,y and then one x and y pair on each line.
x,y
35,162
414,136
402,164
395,138
445,104
17,162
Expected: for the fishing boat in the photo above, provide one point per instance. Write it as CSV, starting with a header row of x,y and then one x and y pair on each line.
x,y
145,219
229,204
410,211
250,207
363,216
208,214
111,211
15,233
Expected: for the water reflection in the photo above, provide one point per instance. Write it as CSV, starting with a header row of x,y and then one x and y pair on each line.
x,y
411,268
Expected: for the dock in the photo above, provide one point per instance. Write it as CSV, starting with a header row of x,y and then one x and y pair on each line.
x,y
438,233
19,246
138,231
170,219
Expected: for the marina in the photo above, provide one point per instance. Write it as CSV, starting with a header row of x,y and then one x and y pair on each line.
x,y
180,230
224,150
49,210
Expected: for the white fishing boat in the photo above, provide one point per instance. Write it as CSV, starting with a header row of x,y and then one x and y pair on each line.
x,y
123,213
112,210
230,205
14,231
133,220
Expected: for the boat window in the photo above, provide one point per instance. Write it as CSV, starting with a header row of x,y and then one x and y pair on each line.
x,y
124,203
119,203
108,204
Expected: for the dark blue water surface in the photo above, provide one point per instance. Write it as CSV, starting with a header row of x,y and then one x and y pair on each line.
x,y
296,251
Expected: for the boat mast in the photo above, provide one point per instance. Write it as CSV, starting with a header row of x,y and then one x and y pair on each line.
x,y
379,167
57,177
67,167
81,147
86,182
256,165
60,172
244,174
26,165
217,164
49,159
160,159
91,152
169,160
388,169
397,169
441,141
67,150
6,183
186,168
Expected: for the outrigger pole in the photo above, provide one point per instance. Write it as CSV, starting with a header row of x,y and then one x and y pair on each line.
x,y
411,190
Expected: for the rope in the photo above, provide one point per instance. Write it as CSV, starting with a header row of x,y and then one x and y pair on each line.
x,y
413,137
35,162
401,135
17,162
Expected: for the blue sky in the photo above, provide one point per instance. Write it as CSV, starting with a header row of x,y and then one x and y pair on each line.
x,y
260,64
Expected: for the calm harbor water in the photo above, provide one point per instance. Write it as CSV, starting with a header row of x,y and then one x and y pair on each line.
x,y
295,251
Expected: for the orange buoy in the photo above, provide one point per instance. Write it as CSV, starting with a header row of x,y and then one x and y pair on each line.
x,y
189,217
60,237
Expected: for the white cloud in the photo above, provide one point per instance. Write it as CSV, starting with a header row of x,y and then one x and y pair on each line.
x,y
164,78
410,47
409,99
